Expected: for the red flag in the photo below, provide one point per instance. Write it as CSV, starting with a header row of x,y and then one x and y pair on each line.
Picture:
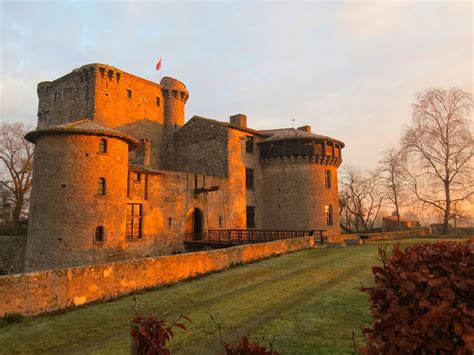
x,y
158,65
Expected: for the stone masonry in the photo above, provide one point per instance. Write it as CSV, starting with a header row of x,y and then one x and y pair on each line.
x,y
119,175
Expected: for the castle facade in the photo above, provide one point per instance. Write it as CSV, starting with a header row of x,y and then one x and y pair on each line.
x,y
118,174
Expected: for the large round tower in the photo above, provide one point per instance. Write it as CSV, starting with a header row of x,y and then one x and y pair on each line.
x,y
300,180
78,198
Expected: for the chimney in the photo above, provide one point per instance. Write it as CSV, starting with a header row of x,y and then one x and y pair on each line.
x,y
143,153
305,129
239,120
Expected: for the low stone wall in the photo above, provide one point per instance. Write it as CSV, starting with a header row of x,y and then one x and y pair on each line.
x,y
46,291
12,254
381,236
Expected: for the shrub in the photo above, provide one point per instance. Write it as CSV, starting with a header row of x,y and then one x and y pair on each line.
x,y
247,347
151,335
422,301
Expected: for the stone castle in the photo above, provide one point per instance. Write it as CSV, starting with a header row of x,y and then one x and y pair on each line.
x,y
119,175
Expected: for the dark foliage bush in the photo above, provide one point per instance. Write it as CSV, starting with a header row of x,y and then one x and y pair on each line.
x,y
247,347
152,334
423,301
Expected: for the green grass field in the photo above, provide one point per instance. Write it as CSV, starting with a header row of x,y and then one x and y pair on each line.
x,y
308,302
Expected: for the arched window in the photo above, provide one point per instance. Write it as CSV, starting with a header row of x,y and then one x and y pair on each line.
x,y
103,146
99,234
101,186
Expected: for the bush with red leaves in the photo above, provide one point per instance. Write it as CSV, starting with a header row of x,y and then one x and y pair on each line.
x,y
151,335
423,300
246,347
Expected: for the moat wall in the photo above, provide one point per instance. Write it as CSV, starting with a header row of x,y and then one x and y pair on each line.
x,y
46,291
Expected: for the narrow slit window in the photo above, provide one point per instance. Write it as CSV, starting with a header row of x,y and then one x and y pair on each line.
x,y
129,93
249,145
158,101
103,146
101,188
99,234
329,214
327,178
250,217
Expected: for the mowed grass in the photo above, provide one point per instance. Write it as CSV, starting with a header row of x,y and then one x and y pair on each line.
x,y
308,302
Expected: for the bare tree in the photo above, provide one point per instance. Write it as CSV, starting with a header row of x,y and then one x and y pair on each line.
x,y
391,172
440,147
16,154
362,199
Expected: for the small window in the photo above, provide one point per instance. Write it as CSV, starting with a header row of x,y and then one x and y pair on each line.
x,y
158,101
103,146
175,93
101,186
170,222
138,177
220,222
129,93
249,179
249,145
327,178
250,217
134,220
99,234
329,215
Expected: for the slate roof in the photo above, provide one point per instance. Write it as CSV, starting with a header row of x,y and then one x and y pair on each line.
x,y
82,127
293,133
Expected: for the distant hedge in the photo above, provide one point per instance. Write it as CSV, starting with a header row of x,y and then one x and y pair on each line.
x,y
423,300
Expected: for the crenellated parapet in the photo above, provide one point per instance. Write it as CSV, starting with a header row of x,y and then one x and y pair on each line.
x,y
299,159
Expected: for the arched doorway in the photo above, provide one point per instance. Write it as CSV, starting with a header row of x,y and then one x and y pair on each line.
x,y
197,224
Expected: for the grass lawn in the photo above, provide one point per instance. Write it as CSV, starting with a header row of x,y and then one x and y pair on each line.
x,y
308,301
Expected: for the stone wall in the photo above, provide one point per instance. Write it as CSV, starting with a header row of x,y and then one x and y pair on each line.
x,y
419,232
12,254
46,291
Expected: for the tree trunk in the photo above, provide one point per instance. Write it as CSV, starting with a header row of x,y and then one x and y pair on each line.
x,y
447,210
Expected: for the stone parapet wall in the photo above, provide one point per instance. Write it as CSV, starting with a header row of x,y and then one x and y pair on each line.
x,y
380,236
12,254
46,291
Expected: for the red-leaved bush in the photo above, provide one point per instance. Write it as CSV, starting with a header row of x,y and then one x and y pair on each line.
x,y
151,334
247,347
423,300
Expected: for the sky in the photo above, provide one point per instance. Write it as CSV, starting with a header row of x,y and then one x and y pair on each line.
x,y
351,70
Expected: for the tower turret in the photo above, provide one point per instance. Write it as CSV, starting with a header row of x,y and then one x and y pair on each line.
x,y
175,96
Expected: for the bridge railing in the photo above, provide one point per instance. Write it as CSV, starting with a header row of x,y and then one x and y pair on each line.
x,y
242,236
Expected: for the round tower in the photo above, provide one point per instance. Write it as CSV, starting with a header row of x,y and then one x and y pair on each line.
x,y
175,96
78,197
300,180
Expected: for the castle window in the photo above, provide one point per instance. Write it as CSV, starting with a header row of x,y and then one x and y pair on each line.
x,y
134,220
249,179
103,146
170,222
101,187
175,94
250,217
99,234
129,93
327,179
138,177
249,145
329,216
220,222
157,101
